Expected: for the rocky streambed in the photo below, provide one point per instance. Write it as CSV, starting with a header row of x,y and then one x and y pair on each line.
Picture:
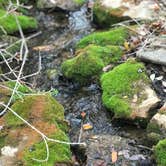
x,y
124,133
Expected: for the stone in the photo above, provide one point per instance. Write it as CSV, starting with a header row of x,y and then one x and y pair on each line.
x,y
127,92
108,12
45,114
157,125
63,4
100,147
155,53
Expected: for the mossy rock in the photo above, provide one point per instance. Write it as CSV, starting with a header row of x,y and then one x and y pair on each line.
x,y
90,61
104,17
119,86
79,2
47,115
44,107
160,153
115,36
59,153
9,25
157,125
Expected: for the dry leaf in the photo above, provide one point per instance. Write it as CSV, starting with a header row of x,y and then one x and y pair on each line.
x,y
83,114
114,156
126,45
43,48
87,126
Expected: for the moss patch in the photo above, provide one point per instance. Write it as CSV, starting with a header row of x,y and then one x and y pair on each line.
x,y
44,107
8,22
119,86
90,61
58,152
104,17
160,153
115,36
79,2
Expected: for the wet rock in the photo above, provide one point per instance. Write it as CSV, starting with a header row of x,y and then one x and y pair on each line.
x,y
108,12
47,115
127,93
155,52
100,148
157,127
63,4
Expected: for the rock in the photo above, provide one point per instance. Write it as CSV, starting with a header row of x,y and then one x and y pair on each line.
x,y
89,62
63,4
108,12
47,115
160,152
9,25
100,148
157,127
127,92
116,36
155,52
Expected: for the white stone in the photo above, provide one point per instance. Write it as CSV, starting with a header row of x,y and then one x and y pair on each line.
x,y
8,151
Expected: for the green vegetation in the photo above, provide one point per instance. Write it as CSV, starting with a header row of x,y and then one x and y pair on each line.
x,y
120,84
104,17
160,153
51,110
58,152
90,61
112,37
8,22
79,2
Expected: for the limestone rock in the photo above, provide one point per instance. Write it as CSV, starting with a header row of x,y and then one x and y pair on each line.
x,y
108,12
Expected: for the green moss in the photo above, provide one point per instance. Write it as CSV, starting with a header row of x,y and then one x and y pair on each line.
x,y
119,86
90,61
104,17
160,153
79,2
153,138
58,152
115,36
51,111
9,24
153,127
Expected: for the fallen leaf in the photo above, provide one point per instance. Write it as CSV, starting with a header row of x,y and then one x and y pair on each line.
x,y
43,48
83,114
159,78
127,46
164,83
87,126
152,77
114,156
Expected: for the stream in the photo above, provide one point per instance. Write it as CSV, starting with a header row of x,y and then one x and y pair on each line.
x,y
59,33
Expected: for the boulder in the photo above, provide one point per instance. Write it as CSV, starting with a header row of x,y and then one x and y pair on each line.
x,y
108,12
89,62
127,92
47,115
63,4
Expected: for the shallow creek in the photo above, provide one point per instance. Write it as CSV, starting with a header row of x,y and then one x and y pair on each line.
x,y
60,32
